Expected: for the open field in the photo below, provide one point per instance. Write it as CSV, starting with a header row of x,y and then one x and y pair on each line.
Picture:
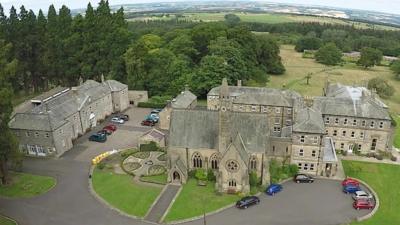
x,y
264,18
120,191
194,200
27,185
385,180
298,67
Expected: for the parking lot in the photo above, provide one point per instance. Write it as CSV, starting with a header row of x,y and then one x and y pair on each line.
x,y
125,136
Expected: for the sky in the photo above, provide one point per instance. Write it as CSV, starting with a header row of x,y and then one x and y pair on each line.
x,y
389,6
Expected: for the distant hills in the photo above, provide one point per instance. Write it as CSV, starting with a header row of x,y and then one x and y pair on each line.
x,y
258,7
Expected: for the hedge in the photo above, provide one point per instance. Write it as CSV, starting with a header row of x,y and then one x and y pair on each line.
x,y
151,105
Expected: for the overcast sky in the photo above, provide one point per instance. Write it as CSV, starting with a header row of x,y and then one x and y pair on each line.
x,y
390,6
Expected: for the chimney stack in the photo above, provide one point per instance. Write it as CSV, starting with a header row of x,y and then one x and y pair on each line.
x,y
239,83
80,81
102,78
186,87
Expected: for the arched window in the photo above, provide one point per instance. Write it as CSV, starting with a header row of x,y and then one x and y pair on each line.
x,y
214,161
197,160
253,163
232,183
232,166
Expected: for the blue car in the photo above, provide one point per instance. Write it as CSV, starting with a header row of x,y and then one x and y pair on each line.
x,y
351,189
273,188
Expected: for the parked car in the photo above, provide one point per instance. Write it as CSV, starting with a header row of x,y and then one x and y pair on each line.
x,y
363,204
154,116
117,120
111,127
125,117
303,178
151,118
156,111
351,189
245,202
148,123
273,189
350,181
98,137
105,131
361,195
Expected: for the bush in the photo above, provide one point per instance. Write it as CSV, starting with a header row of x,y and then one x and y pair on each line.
x,y
128,152
382,87
370,155
192,173
393,158
150,147
210,175
379,157
293,170
329,54
151,105
201,174
253,179
101,165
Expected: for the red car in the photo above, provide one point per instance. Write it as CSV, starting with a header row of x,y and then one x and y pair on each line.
x,y
147,123
111,127
350,181
363,204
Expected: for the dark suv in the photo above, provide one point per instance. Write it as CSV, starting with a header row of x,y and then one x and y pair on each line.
x,y
245,202
303,178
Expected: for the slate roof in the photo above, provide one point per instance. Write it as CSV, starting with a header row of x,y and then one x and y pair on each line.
x,y
183,100
116,85
240,148
51,93
39,122
309,120
93,89
262,96
329,150
199,129
154,133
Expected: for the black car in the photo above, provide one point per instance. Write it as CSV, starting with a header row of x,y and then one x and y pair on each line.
x,y
245,202
303,178
124,117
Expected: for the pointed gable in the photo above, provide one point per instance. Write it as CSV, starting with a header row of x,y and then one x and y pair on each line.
x,y
238,145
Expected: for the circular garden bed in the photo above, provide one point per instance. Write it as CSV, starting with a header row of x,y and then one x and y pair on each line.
x,y
156,170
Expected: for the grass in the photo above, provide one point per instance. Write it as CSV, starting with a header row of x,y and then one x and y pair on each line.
x,y
396,141
194,199
385,180
27,185
158,179
298,67
6,221
120,191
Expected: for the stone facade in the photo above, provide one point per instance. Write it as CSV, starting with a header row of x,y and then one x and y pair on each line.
x,y
49,123
244,128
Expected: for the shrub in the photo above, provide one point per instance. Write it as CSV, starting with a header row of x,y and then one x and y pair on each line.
x,y
201,174
210,175
379,157
370,155
192,173
382,87
150,147
293,170
128,152
344,152
101,165
253,179
151,105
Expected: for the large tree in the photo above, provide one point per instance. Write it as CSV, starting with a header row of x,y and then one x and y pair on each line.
x,y
395,67
370,57
329,54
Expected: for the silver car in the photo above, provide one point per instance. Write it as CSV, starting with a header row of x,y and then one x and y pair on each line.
x,y
361,195
117,120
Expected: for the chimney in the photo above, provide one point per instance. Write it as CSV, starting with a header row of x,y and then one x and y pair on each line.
x,y
239,83
80,81
186,87
102,78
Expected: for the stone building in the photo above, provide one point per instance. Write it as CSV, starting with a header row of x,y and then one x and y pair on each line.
x,y
47,124
185,100
244,128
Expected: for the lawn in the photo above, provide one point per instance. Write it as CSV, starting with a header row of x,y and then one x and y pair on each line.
x,y
298,67
385,180
6,221
194,200
120,191
158,179
396,141
27,185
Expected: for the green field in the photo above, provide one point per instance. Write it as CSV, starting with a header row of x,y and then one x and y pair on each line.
x,y
27,185
6,221
298,67
385,180
158,179
396,141
194,200
262,18
120,191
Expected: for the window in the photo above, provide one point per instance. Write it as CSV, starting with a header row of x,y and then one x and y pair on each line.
x,y
361,135
345,121
277,129
299,165
47,135
232,166
287,150
354,122
28,134
277,120
36,134
359,147
363,123
336,121
373,144
232,183
273,149
197,160
16,133
326,132
288,122
381,124
353,134
60,131
302,139
289,111
312,166
335,133
253,108
344,133
253,163
327,120
372,124
301,152
313,154
214,162
265,109
341,145
241,108
315,141
277,110
305,166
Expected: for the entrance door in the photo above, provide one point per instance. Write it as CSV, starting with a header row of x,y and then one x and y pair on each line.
x,y
328,169
176,177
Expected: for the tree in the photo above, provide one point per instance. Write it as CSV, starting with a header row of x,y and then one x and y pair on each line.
x,y
308,43
232,20
268,55
395,67
329,54
381,86
253,179
308,77
370,57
